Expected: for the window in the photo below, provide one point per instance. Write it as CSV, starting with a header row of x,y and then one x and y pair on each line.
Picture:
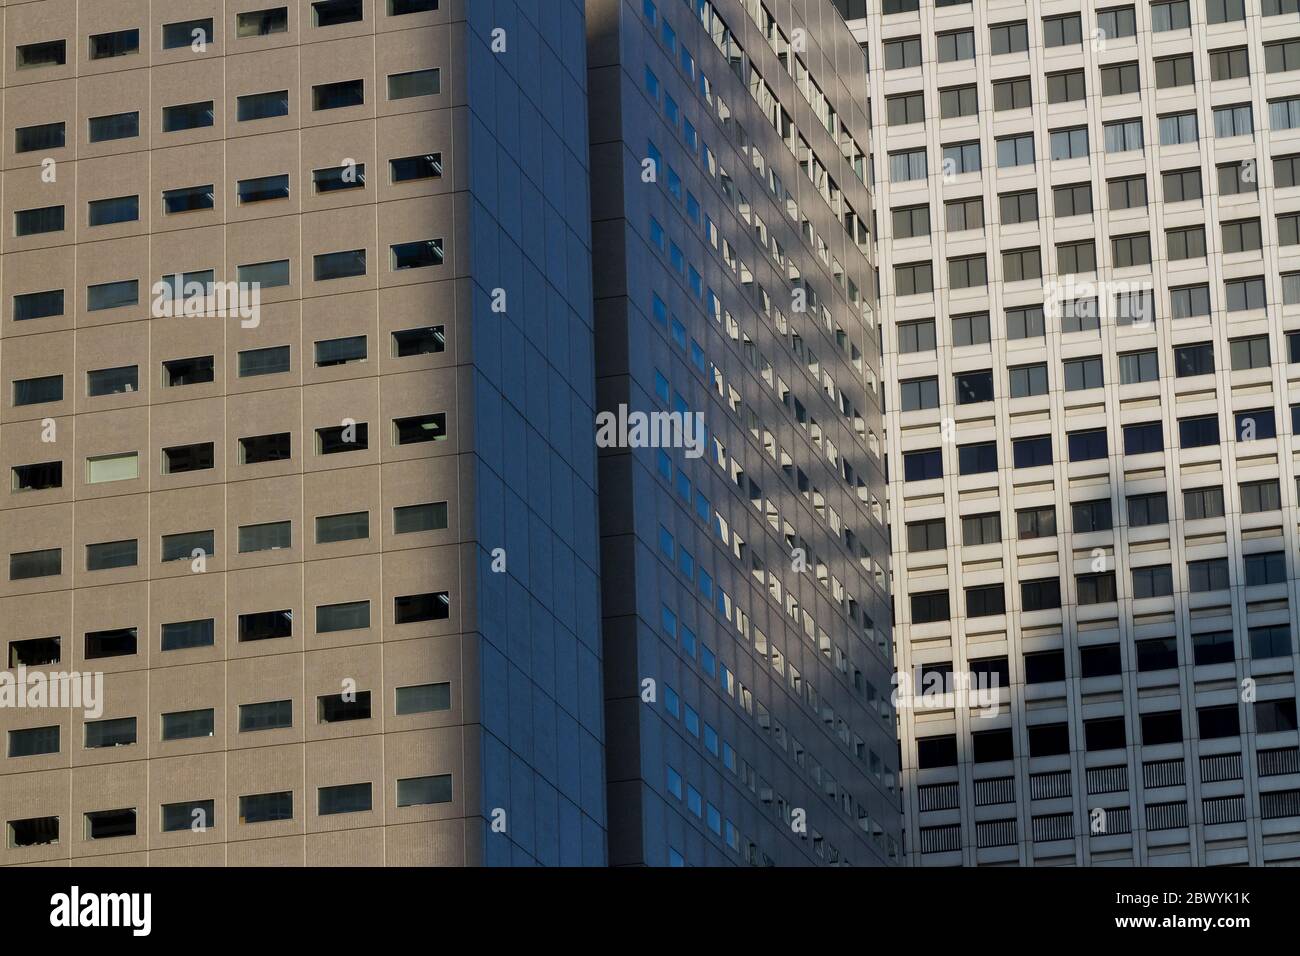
x,y
918,393
266,275
1087,445
267,361
1041,595
352,526
104,46
1065,87
973,388
1215,722
1203,503
191,33
907,165
922,465
1021,264
1130,192
957,101
415,83
188,199
977,458
1046,740
1121,136
1281,57
959,158
409,168
1244,294
1092,516
189,815
1185,243
332,96
32,222
112,468
269,536
1257,496
38,477
1267,568
1156,581
401,7
331,13
49,53
1117,22
35,831
266,807
981,529
187,116
33,741
953,46
339,265
1270,641
1027,380
1256,425
182,635
414,608
1251,352
1149,509
423,698
1083,373
963,214
926,535
420,791
35,564
1035,523
265,625
1013,94
184,458
1025,322
118,642
343,798
914,278
1031,452
1143,439
1062,31
1017,207
1008,38
916,336
116,732
1015,150
182,546
911,221
967,272
256,449
106,212
189,371
1137,367
1072,200
1233,121
111,554
412,519
337,708
114,126
905,108
37,391
1275,716
1131,250
1073,257
416,255
263,188
904,53
985,601
1174,71
1177,128
260,23
1119,78
48,136
335,178
187,724
1230,64
1198,432
929,607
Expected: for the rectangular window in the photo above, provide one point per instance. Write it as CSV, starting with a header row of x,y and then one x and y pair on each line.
x,y
35,564
114,126
416,255
953,46
1144,438
336,708
192,33
421,791
187,116
334,178
188,724
182,546
34,831
265,625
972,329
1145,510
353,526
38,477
33,741
332,96
1025,322
981,529
196,815
267,361
349,616
182,635
37,391
111,554
332,13
1185,243
339,265
117,732
266,275
269,715
106,212
1031,452
33,222
1013,94
423,698
409,519
118,642
414,608
104,46
49,53
1178,128
270,536
260,23
1258,496
1137,367
1017,207
48,136
415,83
1015,150
1119,78
1198,432
263,188
1202,503
926,535
266,807
344,798
408,168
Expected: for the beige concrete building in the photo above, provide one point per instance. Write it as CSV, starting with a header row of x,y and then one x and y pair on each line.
x,y
1089,265
260,527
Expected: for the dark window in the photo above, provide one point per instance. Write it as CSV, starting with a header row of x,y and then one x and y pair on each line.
x,y
926,535
256,106
1215,722
184,458
413,608
340,351
107,212
426,341
180,635
187,724
1154,581
32,222
188,199
108,824
1207,575
260,23
330,96
1275,716
189,371
1035,523
339,265
263,188
265,625
407,168
329,13
35,564
121,43
181,547
266,807
1143,438
119,642
33,741
423,698
1157,654
1198,432
335,708
409,519
114,126
1203,503
256,449
334,178
34,831
1144,510
268,715
992,746
929,607
267,361
342,438
187,116
1257,496
1099,660
1270,641
107,555
1032,452
352,526
1092,516
1104,733
1096,588
936,752
38,477
1087,445
49,53
35,652
973,387
1044,667
1048,740
1040,595
922,465
417,255
1213,647
188,815
978,458
48,136
985,601
1165,727
187,33
343,798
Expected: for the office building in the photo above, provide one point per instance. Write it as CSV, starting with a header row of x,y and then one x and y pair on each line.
x,y
744,556
332,547
1089,255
